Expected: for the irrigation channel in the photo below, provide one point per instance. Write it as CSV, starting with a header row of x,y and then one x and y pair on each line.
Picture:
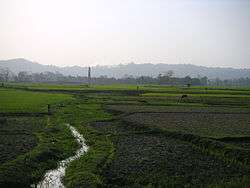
x,y
53,178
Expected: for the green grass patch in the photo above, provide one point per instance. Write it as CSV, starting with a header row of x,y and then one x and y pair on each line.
x,y
12,100
225,95
86,171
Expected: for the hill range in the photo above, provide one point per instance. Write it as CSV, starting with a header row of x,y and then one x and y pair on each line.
x,y
121,70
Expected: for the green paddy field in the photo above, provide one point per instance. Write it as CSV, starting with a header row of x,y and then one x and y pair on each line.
x,y
145,136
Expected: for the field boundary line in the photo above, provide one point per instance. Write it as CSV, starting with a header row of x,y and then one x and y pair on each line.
x,y
168,112
24,114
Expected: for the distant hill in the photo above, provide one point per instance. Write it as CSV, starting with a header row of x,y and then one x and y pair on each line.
x,y
180,70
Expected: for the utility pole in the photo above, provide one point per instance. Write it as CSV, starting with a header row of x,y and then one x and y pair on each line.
x,y
89,76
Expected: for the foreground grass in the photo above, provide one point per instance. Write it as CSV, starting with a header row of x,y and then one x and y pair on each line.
x,y
32,145
86,171
54,143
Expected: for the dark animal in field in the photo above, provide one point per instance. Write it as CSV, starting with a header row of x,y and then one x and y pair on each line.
x,y
182,97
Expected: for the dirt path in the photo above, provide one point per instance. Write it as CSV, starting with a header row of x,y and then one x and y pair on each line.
x,y
52,178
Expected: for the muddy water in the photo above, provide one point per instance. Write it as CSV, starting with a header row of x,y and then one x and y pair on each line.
x,y
53,178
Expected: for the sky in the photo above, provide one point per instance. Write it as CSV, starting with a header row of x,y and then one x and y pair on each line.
x,y
107,32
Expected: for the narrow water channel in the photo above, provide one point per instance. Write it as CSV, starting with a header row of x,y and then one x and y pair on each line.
x,y
53,178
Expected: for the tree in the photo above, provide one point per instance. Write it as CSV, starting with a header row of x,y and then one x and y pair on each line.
x,y
165,77
23,76
5,74
169,73
204,81
187,80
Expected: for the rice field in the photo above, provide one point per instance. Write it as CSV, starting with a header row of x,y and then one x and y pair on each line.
x,y
144,137
12,100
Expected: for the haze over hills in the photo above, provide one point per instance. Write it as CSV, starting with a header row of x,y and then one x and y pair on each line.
x,y
180,70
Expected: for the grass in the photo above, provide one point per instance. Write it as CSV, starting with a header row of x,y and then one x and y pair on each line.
x,y
224,95
43,86
71,87
86,172
31,145
17,139
135,139
54,143
12,100
34,161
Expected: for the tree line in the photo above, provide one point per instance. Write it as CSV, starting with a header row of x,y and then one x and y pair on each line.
x,y
165,78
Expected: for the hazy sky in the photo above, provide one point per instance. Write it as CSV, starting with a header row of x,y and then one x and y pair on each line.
x,y
91,32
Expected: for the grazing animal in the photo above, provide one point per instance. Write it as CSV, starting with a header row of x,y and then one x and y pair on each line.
x,y
182,97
